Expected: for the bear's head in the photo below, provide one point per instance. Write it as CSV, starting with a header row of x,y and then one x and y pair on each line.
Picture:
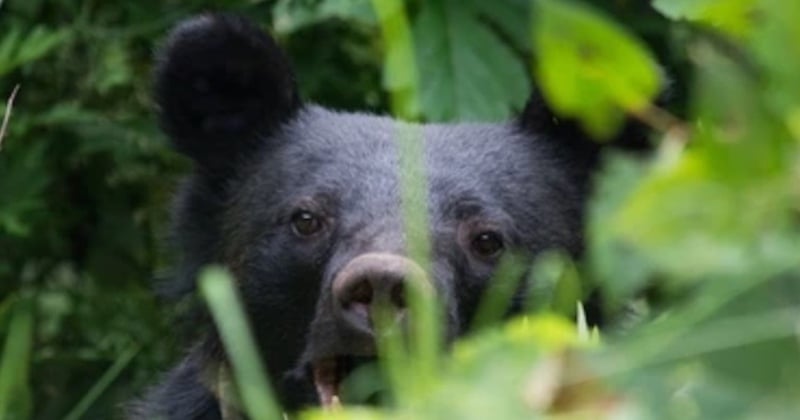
x,y
303,205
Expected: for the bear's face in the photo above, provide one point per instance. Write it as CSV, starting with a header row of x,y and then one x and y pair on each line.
x,y
324,197
303,204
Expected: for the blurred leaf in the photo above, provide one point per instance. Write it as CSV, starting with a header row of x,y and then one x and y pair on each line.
x,y
292,15
15,393
512,18
619,269
399,75
258,399
498,295
102,384
114,70
774,45
465,70
589,67
21,188
735,17
17,49
554,285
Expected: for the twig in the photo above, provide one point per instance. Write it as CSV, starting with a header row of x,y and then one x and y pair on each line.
x,y
9,105
676,132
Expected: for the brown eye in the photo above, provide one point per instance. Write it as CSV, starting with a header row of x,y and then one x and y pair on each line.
x,y
305,223
487,244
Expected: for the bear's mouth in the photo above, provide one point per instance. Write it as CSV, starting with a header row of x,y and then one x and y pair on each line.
x,y
329,373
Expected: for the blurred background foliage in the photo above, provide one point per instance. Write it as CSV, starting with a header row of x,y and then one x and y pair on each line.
x,y
703,240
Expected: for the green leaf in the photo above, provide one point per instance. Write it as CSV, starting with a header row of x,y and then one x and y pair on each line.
x,y
15,394
554,285
466,71
17,50
292,15
512,18
249,373
735,17
589,67
399,75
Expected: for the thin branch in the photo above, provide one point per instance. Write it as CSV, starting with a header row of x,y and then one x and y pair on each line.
x,y
9,105
676,132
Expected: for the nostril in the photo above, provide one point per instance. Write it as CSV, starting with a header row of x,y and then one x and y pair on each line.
x,y
360,292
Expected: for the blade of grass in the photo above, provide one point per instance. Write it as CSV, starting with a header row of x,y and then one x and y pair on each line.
x,y
15,364
102,384
7,115
256,393
400,78
497,297
426,318
400,69
584,334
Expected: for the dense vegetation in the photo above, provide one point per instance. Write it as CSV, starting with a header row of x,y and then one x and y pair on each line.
x,y
699,244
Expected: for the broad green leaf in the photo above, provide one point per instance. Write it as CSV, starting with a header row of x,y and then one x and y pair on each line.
x,y
465,70
512,18
292,15
735,17
589,67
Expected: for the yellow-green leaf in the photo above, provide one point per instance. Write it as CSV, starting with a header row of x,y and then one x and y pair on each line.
x,y
589,67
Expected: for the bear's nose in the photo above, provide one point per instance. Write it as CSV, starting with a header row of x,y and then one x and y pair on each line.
x,y
374,281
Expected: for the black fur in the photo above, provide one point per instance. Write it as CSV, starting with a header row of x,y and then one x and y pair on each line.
x,y
220,82
261,154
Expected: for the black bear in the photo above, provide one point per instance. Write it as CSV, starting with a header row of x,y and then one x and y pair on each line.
x,y
302,205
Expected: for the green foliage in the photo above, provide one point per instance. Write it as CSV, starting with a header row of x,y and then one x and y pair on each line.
x,y
15,393
732,16
463,66
696,248
466,72
589,68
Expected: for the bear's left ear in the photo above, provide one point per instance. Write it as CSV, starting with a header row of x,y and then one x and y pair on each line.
x,y
221,85
566,134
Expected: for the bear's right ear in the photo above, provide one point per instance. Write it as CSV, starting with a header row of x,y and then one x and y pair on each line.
x,y
221,85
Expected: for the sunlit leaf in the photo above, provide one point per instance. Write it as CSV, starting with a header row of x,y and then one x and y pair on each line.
x,y
589,67
736,17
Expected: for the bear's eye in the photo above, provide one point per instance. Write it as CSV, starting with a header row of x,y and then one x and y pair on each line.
x,y
487,244
305,223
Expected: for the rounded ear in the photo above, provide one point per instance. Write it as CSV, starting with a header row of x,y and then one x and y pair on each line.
x,y
222,85
566,134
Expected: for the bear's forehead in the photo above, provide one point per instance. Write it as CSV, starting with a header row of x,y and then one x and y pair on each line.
x,y
365,149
